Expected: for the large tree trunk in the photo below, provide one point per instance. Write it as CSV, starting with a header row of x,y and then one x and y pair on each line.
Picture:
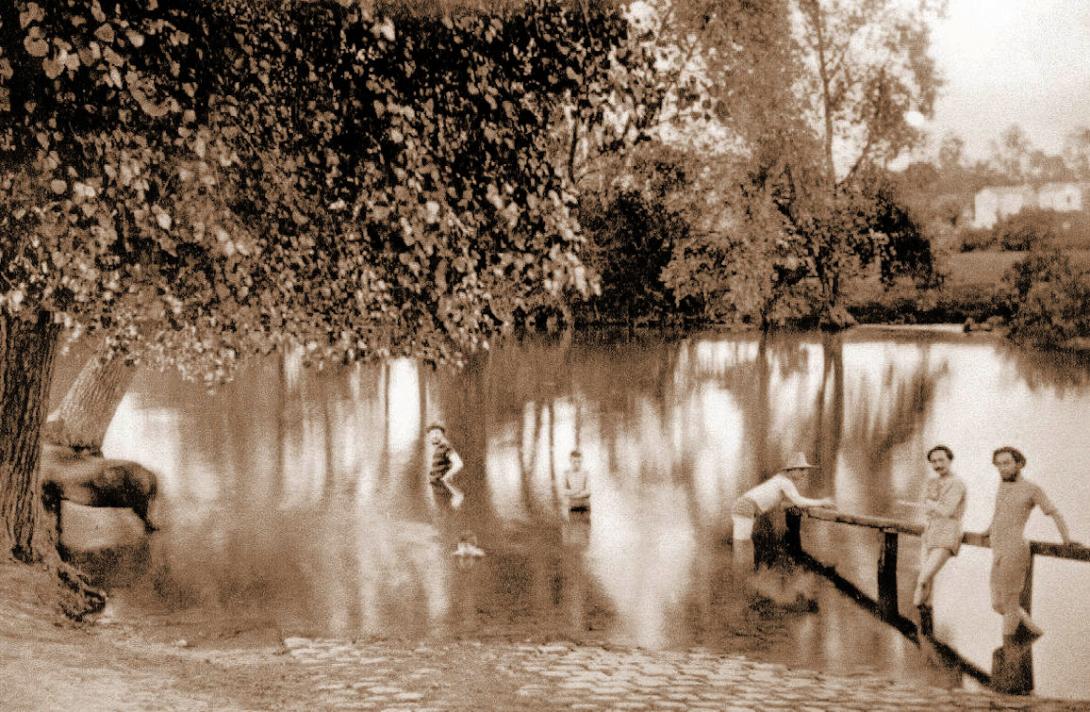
x,y
27,351
82,418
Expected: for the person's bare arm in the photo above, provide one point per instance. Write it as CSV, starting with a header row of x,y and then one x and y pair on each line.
x,y
1041,500
1061,526
455,465
799,501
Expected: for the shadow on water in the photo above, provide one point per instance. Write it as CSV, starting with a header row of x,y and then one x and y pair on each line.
x,y
297,501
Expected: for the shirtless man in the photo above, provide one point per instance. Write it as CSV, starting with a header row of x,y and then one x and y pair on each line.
x,y
771,494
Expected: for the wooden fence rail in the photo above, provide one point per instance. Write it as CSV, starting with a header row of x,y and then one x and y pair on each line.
x,y
1012,667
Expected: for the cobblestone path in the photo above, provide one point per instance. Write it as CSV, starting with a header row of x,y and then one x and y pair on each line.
x,y
505,676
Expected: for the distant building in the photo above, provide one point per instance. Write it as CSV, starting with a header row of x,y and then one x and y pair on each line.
x,y
996,202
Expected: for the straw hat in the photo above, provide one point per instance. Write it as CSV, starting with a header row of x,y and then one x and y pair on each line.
x,y
798,461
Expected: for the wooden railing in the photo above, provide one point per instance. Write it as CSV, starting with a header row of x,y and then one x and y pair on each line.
x,y
1012,669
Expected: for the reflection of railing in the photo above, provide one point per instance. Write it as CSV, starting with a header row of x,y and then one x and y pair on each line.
x,y
1012,666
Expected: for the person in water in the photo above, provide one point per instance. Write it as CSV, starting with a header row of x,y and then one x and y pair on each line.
x,y
576,485
1014,501
445,461
944,506
468,546
771,494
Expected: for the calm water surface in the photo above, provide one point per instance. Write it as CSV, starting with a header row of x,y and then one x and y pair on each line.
x,y
297,500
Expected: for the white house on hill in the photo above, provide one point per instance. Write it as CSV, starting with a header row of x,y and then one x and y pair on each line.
x,y
996,202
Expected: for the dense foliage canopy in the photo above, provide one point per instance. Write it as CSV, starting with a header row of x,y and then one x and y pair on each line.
x,y
214,178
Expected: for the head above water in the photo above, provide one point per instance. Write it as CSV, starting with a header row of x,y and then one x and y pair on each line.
x,y
1009,461
940,457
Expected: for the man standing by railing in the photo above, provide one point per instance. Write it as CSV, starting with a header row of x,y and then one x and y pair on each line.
x,y
1014,501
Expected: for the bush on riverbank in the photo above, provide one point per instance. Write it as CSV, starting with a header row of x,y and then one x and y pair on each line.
x,y
1032,228
906,304
1042,297
1047,296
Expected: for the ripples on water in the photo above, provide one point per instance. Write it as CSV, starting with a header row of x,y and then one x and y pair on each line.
x,y
298,499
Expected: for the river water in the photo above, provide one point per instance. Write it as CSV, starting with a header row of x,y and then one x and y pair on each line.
x,y
297,500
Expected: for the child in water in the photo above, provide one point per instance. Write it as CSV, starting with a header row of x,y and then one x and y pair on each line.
x,y
576,485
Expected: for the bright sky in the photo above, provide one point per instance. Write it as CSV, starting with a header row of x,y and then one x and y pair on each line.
x,y
1013,61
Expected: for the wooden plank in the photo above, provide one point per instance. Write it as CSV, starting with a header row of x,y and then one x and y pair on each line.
x,y
864,520
1072,552
948,655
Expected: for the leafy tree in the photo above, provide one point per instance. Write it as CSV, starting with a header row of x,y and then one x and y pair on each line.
x,y
738,255
868,69
631,237
197,182
951,153
1011,154
789,223
1076,153
898,239
1027,229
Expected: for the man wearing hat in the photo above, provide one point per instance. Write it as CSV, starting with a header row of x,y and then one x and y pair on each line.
x,y
770,494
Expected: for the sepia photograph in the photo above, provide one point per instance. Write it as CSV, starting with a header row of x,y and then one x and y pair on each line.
x,y
531,355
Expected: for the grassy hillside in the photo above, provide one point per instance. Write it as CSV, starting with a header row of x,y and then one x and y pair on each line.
x,y
987,267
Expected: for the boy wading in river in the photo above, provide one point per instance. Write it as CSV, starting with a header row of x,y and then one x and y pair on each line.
x,y
445,461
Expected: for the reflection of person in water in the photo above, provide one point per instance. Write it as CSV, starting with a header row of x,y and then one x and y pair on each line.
x,y
944,505
575,528
1011,555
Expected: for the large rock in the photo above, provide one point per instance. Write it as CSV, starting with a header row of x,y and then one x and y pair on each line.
x,y
108,543
102,512
93,529
83,478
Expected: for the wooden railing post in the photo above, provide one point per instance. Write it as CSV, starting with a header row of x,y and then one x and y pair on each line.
x,y
1012,663
887,575
793,539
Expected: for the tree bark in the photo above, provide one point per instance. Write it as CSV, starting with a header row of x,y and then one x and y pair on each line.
x,y
88,408
27,352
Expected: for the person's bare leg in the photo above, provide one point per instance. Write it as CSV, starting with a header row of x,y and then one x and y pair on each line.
x,y
1011,619
1033,628
930,566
